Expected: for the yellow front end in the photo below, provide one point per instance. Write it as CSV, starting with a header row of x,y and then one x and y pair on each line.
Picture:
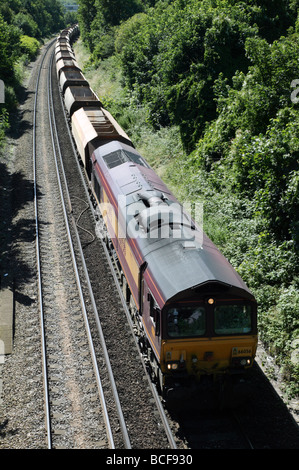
x,y
207,356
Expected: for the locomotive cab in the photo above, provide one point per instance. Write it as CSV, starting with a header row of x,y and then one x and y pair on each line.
x,y
215,336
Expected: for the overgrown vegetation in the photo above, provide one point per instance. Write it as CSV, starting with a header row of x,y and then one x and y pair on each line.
x,y
204,87
23,24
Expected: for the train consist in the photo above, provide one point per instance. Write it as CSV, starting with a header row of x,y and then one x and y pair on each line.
x,y
194,316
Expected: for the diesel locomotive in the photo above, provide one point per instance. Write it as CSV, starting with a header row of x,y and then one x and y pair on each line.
x,y
193,314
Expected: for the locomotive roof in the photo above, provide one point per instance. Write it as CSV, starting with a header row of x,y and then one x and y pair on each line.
x,y
185,270
184,259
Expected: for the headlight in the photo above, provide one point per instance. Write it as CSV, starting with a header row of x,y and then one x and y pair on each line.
x,y
176,365
172,366
241,361
245,362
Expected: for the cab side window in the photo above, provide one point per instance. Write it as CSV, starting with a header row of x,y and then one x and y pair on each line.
x,y
96,185
154,313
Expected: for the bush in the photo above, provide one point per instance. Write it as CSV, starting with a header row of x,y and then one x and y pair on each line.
x,y
30,46
10,48
26,24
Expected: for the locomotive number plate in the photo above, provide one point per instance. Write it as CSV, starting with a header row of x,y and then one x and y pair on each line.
x,y
242,351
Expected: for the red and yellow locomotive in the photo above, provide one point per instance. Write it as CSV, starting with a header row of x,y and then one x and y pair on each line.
x,y
195,315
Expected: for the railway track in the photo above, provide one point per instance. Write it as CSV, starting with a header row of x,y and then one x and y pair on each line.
x,y
67,348
76,410
77,413
21,402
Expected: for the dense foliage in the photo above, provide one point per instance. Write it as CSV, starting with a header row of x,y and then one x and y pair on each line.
x,y
226,74
99,20
35,18
22,25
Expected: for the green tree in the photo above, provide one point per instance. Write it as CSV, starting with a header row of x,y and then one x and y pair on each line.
x,y
98,19
115,11
178,53
86,15
9,35
26,23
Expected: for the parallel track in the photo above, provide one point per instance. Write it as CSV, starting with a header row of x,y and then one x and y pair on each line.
x,y
45,358
96,315
38,261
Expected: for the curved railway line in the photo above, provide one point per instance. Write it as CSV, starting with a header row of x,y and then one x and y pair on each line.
x,y
42,169
47,248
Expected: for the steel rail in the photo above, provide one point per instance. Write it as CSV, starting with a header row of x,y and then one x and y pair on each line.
x,y
96,315
90,342
99,328
37,244
152,387
155,394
